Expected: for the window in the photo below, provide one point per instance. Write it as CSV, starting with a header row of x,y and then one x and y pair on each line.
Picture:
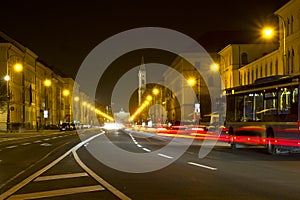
x,y
284,101
244,58
270,103
288,61
271,70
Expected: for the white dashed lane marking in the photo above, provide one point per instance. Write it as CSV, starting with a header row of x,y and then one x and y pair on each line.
x,y
11,147
165,156
203,166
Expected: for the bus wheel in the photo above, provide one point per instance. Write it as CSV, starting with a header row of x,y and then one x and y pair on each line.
x,y
271,148
231,134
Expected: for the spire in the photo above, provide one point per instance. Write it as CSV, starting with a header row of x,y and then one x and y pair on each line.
x,y
142,80
142,66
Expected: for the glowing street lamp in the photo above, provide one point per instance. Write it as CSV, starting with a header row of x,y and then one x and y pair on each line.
x,y
214,67
18,67
155,91
149,98
66,92
268,33
7,78
192,81
47,82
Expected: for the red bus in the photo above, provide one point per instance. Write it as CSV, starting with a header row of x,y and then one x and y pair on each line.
x,y
265,113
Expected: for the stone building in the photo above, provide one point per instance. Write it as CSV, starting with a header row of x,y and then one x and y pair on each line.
x,y
34,95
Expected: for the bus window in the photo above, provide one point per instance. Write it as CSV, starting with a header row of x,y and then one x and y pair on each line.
x,y
258,106
248,109
284,101
270,103
239,115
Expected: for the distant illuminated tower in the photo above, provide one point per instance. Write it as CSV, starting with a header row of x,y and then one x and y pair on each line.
x,y
142,80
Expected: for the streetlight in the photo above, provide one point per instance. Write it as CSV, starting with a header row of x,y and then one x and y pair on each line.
x,y
214,67
18,67
268,33
155,91
47,83
66,93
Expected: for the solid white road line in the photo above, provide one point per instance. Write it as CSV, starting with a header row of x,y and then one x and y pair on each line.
x,y
54,193
99,179
41,171
203,166
165,156
60,176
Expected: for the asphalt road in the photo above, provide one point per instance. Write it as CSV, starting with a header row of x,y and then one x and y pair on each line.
x,y
66,167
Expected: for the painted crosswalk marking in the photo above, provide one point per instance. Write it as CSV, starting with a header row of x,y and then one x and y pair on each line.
x,y
60,176
55,193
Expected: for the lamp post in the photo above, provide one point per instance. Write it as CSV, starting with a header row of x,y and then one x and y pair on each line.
x,y
66,94
18,67
47,83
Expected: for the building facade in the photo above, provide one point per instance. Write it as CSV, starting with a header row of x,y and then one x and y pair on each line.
x,y
242,64
34,96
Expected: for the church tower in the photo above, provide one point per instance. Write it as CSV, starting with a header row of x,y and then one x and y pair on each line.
x,y
142,81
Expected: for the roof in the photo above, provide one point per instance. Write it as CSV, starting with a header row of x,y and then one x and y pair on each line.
x,y
214,41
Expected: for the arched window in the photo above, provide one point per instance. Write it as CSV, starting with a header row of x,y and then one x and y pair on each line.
x,y
244,58
271,68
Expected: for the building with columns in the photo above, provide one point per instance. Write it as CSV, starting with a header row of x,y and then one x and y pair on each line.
x,y
242,64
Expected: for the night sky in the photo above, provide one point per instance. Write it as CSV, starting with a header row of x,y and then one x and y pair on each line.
x,y
62,33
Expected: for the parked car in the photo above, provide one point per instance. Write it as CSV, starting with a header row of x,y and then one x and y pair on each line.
x,y
67,127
